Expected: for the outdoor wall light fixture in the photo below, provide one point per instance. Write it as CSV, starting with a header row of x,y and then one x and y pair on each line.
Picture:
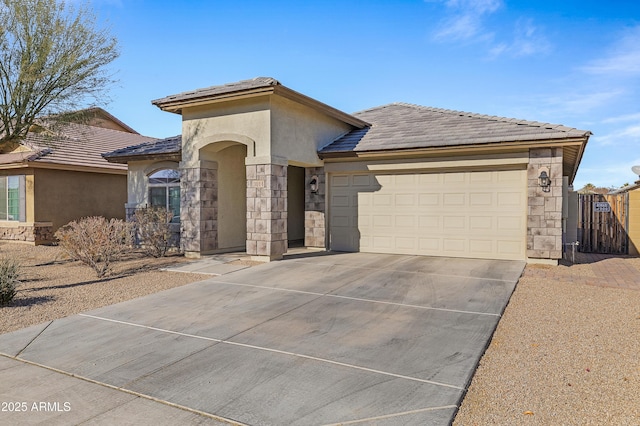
x,y
313,184
544,181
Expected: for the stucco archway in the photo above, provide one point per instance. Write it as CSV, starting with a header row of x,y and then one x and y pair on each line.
x,y
230,191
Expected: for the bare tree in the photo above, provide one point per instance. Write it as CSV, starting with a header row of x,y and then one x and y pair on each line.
x,y
53,60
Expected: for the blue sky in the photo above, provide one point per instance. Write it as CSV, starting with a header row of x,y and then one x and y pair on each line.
x,y
568,62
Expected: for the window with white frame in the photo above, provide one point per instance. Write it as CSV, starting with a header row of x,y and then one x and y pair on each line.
x,y
12,198
164,191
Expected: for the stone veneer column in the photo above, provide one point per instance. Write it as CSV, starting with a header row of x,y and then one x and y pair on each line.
x,y
199,207
544,223
266,211
314,209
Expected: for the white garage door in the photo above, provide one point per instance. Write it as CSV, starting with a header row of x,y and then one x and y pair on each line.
x,y
462,214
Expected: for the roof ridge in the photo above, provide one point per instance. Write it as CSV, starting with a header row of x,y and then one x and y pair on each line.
x,y
517,121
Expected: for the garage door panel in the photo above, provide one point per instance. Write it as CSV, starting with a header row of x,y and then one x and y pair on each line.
x,y
458,199
454,246
429,199
481,199
465,214
481,223
340,180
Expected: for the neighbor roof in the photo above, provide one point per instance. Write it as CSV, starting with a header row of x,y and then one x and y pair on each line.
x,y
74,146
169,148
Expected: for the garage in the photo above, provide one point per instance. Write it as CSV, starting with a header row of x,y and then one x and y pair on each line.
x,y
471,214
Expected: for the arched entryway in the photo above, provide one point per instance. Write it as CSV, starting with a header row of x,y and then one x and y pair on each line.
x,y
229,205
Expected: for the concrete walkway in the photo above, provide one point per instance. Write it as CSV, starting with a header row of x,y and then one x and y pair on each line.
x,y
324,339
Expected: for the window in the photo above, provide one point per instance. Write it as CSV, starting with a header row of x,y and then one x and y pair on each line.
x,y
164,191
12,198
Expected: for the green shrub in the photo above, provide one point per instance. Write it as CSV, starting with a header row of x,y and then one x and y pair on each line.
x,y
9,280
153,229
95,241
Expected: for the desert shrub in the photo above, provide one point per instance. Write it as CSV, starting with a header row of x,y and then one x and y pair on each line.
x,y
153,229
95,241
9,280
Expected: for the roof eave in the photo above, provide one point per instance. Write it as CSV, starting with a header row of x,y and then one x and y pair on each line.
x,y
573,141
142,157
176,106
581,150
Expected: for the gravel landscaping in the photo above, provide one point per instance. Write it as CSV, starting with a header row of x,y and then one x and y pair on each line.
x,y
53,286
564,353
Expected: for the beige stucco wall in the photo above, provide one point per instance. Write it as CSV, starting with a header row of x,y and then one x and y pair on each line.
x,y
245,121
232,188
62,196
298,131
271,127
137,180
516,160
634,222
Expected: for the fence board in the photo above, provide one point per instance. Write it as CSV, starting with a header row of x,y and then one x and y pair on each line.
x,y
604,232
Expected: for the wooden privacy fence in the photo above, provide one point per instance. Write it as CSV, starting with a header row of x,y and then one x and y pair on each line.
x,y
603,223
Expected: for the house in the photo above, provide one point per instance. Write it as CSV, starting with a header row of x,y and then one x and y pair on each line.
x,y
57,175
259,166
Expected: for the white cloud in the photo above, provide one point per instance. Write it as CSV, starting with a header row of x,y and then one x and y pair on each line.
x,y
527,40
466,22
477,6
623,58
623,118
458,28
629,135
466,19
578,104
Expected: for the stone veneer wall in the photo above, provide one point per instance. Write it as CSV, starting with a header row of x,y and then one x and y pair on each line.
x,y
314,209
198,207
544,224
37,233
267,210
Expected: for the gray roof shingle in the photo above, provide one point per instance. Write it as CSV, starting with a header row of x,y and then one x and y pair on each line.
x,y
407,126
74,145
167,146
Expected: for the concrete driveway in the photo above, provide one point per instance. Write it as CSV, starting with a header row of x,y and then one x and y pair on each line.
x,y
350,338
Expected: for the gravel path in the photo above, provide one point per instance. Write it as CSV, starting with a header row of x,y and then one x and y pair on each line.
x,y
54,286
564,353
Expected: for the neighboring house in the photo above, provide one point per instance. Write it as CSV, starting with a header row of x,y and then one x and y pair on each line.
x,y
261,165
57,175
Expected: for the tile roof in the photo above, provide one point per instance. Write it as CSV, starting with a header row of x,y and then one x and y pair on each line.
x,y
168,146
239,86
406,126
77,145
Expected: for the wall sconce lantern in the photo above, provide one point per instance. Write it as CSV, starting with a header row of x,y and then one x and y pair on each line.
x,y
313,184
545,181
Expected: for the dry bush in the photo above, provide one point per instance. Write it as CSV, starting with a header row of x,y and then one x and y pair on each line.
x,y
153,228
95,241
9,280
